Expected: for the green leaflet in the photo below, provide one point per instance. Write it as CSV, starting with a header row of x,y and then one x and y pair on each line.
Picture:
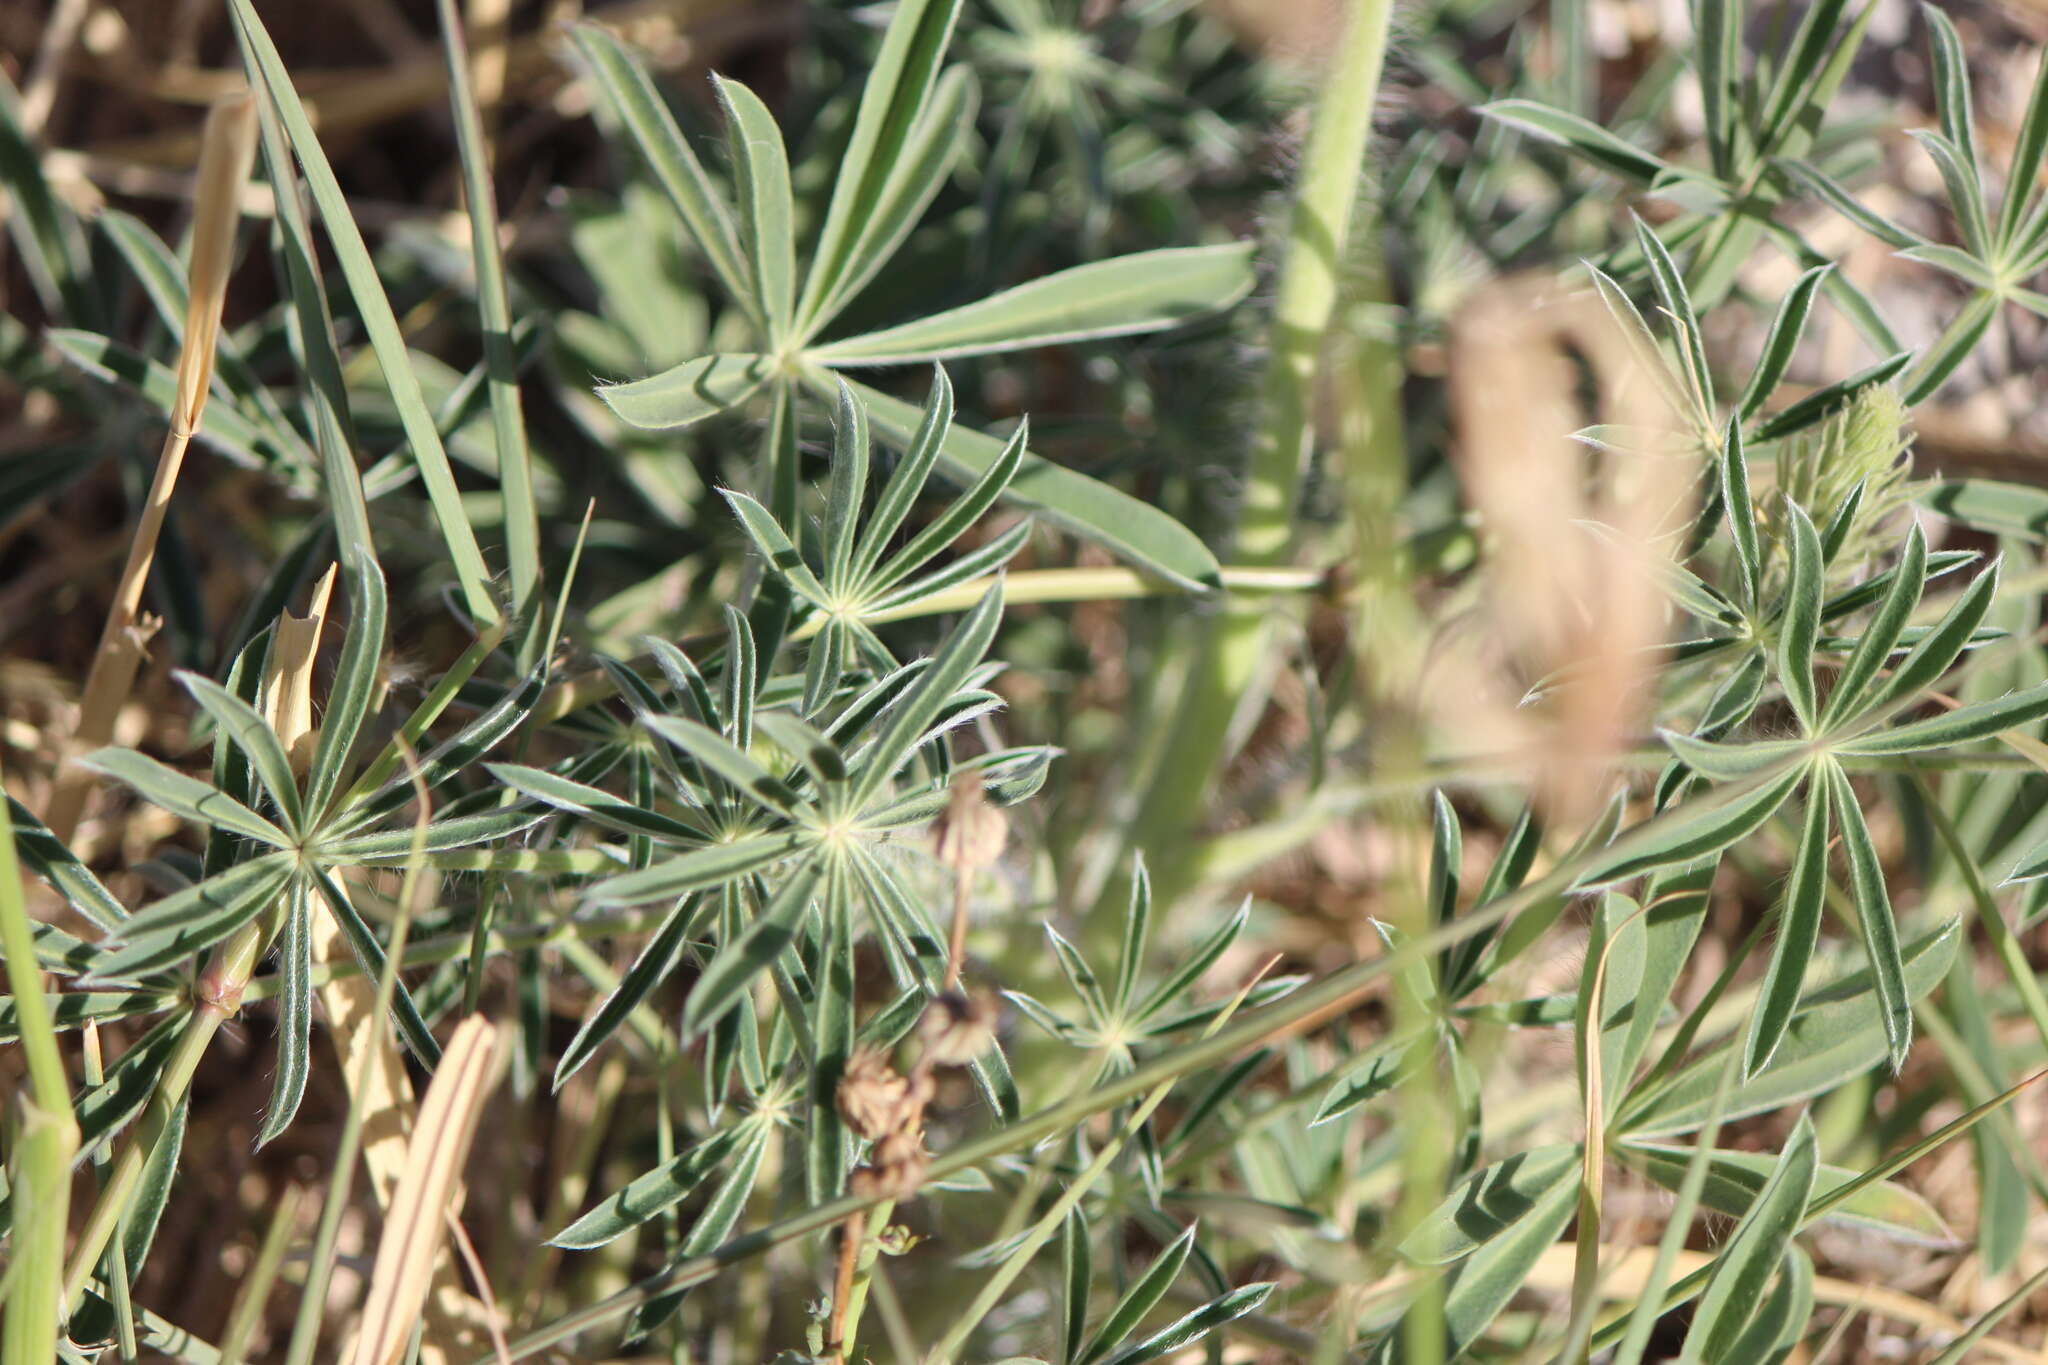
x,y
1752,1254
1698,829
735,965
687,393
197,917
1799,916
1734,1177
1130,294
767,215
1589,140
661,1188
1962,726
1799,630
1489,1202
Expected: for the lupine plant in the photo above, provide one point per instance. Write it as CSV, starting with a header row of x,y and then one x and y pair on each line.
x,y
775,787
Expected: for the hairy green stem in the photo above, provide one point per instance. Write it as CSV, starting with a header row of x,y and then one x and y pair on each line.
x,y
1229,651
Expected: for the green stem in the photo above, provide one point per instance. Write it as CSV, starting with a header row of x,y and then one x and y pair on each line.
x,y
1228,653
218,994
45,1143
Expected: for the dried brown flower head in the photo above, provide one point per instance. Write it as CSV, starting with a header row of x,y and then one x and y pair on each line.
x,y
873,1096
957,1028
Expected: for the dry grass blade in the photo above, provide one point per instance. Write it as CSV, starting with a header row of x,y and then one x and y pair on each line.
x,y
1562,599
227,153
411,1244
288,691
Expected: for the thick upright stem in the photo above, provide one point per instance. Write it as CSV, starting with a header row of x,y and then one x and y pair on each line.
x,y
1228,651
